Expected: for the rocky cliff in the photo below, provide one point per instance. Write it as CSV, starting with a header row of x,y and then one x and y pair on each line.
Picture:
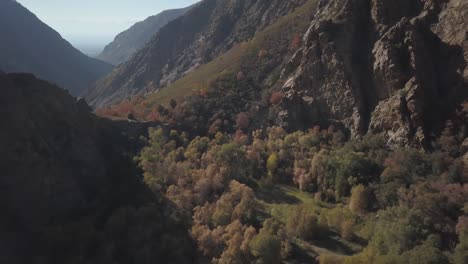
x,y
29,45
137,36
209,29
380,66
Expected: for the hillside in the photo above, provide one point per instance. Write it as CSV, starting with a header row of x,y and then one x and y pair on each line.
x,y
129,41
352,66
29,45
206,31
71,193
68,182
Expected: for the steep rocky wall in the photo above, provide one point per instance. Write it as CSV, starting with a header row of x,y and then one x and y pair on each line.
x,y
379,66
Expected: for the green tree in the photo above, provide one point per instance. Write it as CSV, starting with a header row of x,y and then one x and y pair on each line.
x,y
359,199
266,248
460,255
173,103
303,224
272,165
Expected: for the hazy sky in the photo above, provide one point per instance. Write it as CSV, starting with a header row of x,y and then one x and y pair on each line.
x,y
96,22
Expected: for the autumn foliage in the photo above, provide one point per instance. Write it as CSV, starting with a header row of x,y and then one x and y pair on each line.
x,y
276,98
361,191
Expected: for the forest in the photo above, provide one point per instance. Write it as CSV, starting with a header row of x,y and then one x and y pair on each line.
x,y
271,196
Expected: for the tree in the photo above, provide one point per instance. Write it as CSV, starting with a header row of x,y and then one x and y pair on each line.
x,y
351,169
161,110
276,98
272,165
340,219
460,255
242,120
266,248
233,158
359,199
295,42
427,253
173,103
303,224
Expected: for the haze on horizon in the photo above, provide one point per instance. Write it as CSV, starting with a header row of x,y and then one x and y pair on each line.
x,y
89,25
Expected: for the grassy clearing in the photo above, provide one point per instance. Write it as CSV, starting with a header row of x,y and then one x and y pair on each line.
x,y
286,199
280,201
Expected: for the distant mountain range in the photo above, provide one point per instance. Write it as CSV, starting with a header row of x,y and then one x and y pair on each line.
x,y
134,38
29,45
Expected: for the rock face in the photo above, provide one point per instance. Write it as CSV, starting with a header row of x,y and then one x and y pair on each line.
x,y
380,66
64,169
29,45
207,30
137,36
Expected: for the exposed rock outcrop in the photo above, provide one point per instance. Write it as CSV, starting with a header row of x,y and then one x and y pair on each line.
x,y
380,66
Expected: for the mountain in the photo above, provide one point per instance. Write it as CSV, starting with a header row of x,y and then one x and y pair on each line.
x,y
352,65
68,182
29,45
136,37
207,30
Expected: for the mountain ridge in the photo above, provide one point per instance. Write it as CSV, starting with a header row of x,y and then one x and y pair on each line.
x,y
32,46
129,41
68,176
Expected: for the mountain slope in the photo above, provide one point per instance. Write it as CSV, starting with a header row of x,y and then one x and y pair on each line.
x,y
206,31
134,38
358,67
29,45
69,190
